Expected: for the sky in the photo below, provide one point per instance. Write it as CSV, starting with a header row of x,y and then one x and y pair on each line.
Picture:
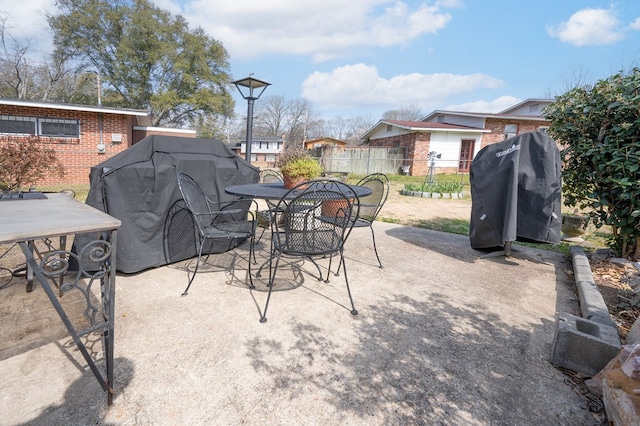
x,y
364,57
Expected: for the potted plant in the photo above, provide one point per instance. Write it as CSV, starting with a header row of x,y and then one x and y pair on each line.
x,y
297,166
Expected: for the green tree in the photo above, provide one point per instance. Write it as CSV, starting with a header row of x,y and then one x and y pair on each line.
x,y
146,57
599,127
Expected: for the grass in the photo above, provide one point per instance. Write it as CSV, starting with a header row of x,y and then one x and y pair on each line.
x,y
596,239
452,226
81,190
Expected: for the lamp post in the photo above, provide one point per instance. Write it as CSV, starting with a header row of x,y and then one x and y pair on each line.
x,y
246,87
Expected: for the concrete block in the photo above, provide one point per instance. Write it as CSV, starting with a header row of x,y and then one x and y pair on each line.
x,y
583,345
592,304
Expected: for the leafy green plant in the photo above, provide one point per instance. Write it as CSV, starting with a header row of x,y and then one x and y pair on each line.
x,y
447,187
297,162
599,128
439,187
25,162
413,187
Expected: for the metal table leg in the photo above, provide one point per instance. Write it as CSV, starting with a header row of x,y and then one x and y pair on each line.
x,y
100,252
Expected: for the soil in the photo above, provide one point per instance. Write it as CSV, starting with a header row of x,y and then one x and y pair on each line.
x,y
616,283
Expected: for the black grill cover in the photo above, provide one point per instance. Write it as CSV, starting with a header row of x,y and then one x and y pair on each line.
x,y
139,187
516,192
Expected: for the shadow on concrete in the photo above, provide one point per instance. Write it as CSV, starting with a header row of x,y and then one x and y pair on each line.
x,y
430,359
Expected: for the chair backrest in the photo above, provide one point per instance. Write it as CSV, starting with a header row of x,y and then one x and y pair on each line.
x,y
316,220
371,205
270,176
195,200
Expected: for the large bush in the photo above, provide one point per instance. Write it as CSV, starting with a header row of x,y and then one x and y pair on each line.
x,y
599,128
24,162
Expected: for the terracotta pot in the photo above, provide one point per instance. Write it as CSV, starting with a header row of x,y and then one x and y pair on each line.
x,y
334,208
290,182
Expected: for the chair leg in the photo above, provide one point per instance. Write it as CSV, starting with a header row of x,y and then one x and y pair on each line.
x,y
272,278
375,249
184,293
346,280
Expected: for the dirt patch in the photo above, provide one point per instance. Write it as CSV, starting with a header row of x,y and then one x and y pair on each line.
x,y
411,211
616,283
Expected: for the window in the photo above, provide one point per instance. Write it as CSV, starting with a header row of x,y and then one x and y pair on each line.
x,y
17,125
39,126
59,128
510,130
543,129
389,127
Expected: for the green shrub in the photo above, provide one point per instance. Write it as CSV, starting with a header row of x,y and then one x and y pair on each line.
x,y
297,162
599,129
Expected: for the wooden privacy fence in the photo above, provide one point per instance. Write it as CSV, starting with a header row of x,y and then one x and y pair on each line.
x,y
362,160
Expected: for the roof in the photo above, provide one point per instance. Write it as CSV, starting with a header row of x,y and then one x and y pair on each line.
x,y
261,138
507,113
326,140
423,126
526,101
74,107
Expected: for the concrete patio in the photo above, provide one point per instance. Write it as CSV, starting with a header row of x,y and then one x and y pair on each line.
x,y
442,337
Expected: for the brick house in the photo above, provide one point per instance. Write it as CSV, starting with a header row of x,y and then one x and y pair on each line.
x,y
81,135
455,136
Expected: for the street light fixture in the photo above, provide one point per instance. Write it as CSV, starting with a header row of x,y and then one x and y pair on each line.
x,y
246,87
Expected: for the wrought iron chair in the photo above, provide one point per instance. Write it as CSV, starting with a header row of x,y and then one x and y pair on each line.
x,y
315,223
226,222
371,205
265,217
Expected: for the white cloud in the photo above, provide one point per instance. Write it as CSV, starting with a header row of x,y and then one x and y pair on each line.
x,y
635,25
359,84
499,104
325,29
27,22
589,27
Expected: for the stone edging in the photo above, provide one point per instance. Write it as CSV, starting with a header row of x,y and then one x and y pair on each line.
x,y
592,304
431,194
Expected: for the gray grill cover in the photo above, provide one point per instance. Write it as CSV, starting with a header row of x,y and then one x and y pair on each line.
x,y
516,192
139,187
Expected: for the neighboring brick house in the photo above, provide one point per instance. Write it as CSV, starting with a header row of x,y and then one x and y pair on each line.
x,y
81,135
455,136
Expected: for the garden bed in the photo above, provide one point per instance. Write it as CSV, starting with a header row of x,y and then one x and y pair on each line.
x,y
431,194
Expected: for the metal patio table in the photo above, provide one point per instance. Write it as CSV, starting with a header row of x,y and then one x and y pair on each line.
x,y
276,191
56,215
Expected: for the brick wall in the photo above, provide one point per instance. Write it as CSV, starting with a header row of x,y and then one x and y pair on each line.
x,y
497,129
417,145
77,155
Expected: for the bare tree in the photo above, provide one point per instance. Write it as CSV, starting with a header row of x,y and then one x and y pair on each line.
x,y
348,129
271,112
14,71
21,78
408,113
276,115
